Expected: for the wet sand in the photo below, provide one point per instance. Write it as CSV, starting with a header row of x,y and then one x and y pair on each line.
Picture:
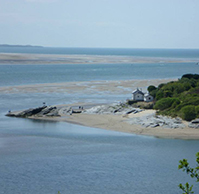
x,y
19,58
92,87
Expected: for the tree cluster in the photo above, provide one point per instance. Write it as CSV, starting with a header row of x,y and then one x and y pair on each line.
x,y
178,98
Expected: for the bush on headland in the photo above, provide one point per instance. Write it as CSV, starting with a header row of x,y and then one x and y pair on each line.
x,y
178,98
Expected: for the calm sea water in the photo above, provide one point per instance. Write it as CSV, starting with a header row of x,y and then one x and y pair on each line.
x,y
47,157
171,53
34,74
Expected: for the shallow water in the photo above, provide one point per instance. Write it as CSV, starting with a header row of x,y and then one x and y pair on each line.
x,y
169,53
36,74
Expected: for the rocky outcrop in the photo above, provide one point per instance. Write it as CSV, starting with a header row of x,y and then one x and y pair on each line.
x,y
194,124
147,120
40,112
121,108
157,121
49,111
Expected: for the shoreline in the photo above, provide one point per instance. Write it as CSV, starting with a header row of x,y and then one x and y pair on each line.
x,y
119,122
116,122
31,59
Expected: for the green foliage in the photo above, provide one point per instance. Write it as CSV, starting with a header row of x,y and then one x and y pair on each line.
x,y
191,76
193,172
197,110
151,88
159,95
186,188
161,85
171,98
166,103
153,93
188,112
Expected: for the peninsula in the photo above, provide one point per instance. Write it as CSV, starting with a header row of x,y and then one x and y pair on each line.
x,y
172,114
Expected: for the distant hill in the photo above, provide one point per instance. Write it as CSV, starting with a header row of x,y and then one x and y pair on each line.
x,y
8,45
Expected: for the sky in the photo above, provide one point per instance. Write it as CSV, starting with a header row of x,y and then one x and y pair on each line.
x,y
100,23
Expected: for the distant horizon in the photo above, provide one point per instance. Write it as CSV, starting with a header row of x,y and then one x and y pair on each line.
x,y
41,46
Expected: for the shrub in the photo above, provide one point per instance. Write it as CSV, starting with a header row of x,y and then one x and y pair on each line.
x,y
168,93
166,103
151,88
179,88
161,85
197,110
191,76
188,112
153,93
159,95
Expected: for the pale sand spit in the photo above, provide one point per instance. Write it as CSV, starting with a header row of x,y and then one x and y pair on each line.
x,y
29,59
118,123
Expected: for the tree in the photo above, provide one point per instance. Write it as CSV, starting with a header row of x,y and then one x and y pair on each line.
x,y
151,88
188,112
166,103
193,172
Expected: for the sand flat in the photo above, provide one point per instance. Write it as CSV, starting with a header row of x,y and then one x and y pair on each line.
x,y
87,87
30,59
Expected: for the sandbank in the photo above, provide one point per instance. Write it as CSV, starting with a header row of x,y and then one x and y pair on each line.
x,y
119,123
30,59
87,87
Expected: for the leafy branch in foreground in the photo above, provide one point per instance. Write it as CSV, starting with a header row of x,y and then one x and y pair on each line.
x,y
193,172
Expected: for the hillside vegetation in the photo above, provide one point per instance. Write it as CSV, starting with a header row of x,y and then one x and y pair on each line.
x,y
178,98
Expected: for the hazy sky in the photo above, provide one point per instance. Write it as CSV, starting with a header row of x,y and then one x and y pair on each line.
x,y
101,23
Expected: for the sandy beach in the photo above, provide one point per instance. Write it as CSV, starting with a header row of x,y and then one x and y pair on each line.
x,y
119,123
29,59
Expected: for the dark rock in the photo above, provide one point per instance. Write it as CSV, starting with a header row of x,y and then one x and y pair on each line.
x,y
131,111
154,125
76,111
27,113
196,121
46,111
10,114
194,124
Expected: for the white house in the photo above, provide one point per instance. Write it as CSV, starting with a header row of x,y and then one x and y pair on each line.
x,y
138,95
148,97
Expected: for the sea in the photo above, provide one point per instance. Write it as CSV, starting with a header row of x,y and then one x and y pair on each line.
x,y
51,157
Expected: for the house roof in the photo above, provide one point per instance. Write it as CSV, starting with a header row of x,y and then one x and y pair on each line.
x,y
147,94
137,92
